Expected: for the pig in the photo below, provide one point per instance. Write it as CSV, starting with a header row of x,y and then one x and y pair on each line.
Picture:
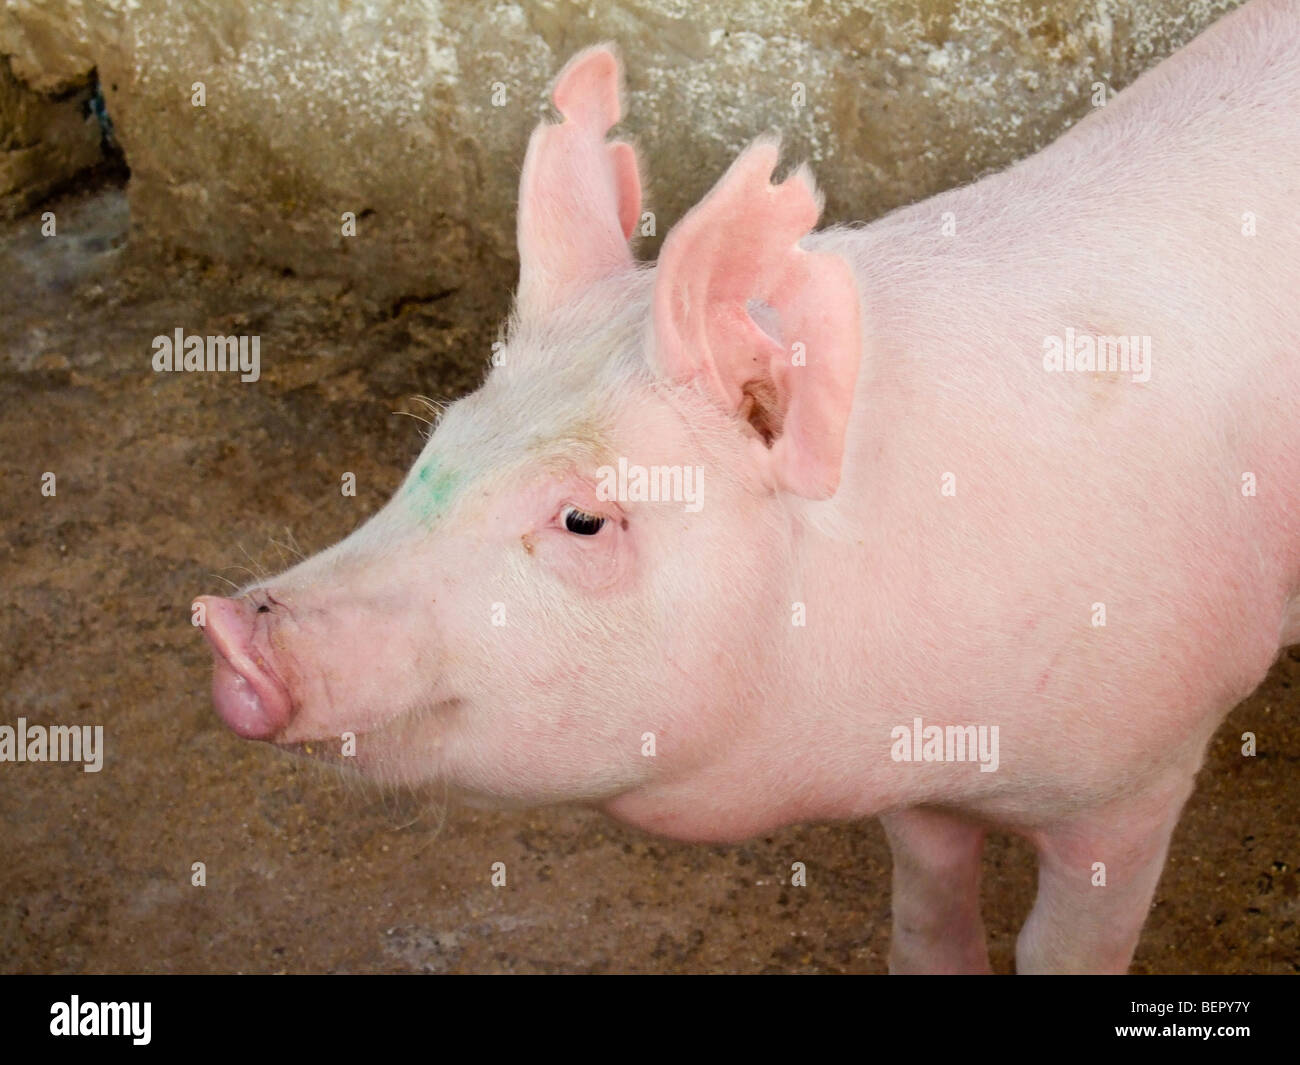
x,y
995,509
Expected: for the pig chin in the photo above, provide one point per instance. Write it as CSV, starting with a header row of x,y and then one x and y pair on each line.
x,y
406,749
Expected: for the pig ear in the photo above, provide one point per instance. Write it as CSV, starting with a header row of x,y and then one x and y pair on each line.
x,y
579,196
734,258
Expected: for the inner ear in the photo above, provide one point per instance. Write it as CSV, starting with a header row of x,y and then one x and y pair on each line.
x,y
760,401
760,406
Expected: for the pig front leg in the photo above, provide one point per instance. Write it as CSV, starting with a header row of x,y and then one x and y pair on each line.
x,y
937,926
1096,877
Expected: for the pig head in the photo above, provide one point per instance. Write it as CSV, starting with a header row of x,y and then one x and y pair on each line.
x,y
519,621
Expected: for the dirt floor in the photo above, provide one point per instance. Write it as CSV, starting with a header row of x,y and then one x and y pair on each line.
x,y
168,482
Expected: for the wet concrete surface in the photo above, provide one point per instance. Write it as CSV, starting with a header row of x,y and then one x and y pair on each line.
x,y
168,483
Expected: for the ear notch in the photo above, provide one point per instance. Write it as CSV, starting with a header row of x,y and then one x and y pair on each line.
x,y
579,196
736,258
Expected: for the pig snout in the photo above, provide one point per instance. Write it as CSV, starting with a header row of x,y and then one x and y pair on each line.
x,y
247,694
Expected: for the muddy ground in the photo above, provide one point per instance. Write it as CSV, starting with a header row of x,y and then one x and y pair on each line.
x,y
167,483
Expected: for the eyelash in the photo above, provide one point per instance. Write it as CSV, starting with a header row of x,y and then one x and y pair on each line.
x,y
571,516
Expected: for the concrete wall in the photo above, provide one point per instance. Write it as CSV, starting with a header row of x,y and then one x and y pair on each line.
x,y
46,139
386,108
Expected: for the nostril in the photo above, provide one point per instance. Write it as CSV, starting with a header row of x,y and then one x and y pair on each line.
x,y
263,609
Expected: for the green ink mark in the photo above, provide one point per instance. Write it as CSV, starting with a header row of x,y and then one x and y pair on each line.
x,y
432,488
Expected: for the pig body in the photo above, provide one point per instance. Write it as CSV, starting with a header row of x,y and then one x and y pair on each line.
x,y
938,520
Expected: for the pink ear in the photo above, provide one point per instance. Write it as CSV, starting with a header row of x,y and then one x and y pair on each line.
x,y
579,197
737,249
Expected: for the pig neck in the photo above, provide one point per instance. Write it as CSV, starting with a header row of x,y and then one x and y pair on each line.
x,y
871,655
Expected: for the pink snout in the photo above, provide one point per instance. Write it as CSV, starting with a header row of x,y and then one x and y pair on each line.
x,y
248,696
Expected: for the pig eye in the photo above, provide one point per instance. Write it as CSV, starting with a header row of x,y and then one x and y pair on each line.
x,y
580,522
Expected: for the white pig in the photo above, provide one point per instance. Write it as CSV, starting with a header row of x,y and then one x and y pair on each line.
x,y
982,515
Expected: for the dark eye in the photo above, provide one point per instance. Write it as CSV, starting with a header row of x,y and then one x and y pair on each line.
x,y
580,522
